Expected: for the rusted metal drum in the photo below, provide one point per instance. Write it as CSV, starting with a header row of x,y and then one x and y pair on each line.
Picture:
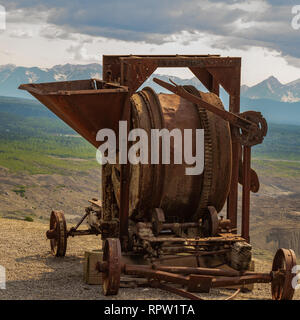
x,y
182,197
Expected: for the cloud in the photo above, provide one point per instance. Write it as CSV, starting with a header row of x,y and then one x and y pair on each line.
x,y
149,21
21,34
53,32
79,52
293,61
270,29
233,24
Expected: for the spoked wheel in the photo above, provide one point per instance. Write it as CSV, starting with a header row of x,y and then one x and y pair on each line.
x,y
210,222
284,261
112,260
58,234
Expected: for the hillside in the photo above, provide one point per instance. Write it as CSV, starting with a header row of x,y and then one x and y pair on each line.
x,y
34,140
29,131
274,111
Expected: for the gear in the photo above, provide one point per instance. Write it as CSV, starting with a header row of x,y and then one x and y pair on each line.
x,y
208,155
261,128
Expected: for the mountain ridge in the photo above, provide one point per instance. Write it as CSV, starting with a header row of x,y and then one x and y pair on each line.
x,y
11,76
271,88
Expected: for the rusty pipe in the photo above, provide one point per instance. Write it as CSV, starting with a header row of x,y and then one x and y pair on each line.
x,y
203,271
242,280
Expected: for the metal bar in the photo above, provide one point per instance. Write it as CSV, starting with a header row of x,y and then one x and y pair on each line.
x,y
81,233
215,87
153,274
207,79
163,56
242,280
232,200
234,106
124,186
246,193
205,271
80,221
85,92
180,292
222,238
199,270
232,118
234,295
182,225
182,249
194,280
181,61
195,254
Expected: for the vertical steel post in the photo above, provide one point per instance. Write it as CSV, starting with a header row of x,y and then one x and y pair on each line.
x,y
232,201
124,185
246,193
215,87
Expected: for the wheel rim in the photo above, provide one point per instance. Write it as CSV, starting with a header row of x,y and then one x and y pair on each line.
x,y
285,260
58,244
112,275
211,222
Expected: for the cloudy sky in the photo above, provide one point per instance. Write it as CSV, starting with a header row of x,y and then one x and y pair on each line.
x,y
47,33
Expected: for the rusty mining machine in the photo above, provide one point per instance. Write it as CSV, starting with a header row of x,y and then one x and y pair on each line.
x,y
167,222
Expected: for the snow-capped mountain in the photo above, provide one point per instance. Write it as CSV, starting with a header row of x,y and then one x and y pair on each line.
x,y
270,97
272,89
12,76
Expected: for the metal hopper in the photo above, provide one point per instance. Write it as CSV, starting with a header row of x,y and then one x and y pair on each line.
x,y
85,105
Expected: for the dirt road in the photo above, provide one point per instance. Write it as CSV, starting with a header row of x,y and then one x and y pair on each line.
x,y
33,273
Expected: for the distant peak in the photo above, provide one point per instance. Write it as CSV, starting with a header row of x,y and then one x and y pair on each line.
x,y
272,79
7,66
297,81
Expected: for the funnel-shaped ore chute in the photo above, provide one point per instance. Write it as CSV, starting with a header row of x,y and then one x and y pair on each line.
x,y
85,105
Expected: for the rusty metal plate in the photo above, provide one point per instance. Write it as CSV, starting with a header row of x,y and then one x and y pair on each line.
x,y
85,105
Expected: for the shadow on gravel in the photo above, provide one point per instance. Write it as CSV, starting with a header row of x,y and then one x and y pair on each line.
x,y
50,260
65,281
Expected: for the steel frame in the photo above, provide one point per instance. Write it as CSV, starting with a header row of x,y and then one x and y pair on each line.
x,y
212,71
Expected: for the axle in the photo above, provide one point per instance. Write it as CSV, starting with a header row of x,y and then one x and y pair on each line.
x,y
195,279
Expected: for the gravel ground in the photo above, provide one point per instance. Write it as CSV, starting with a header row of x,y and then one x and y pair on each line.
x,y
33,273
